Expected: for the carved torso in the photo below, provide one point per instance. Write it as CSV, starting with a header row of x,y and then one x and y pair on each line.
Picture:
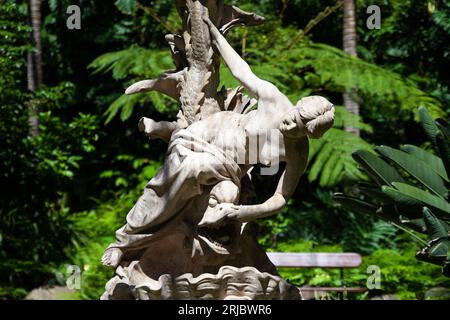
x,y
237,134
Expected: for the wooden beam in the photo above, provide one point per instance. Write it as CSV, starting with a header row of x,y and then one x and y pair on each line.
x,y
315,260
332,289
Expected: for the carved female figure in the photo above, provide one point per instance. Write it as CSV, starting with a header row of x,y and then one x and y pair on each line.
x,y
199,158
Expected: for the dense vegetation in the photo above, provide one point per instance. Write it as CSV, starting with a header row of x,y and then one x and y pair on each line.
x,y
67,189
409,188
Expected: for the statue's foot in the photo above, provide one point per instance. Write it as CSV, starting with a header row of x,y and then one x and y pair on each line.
x,y
112,257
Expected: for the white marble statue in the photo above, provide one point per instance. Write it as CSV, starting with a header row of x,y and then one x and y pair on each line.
x,y
192,222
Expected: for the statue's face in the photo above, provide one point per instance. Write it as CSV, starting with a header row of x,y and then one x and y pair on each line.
x,y
224,233
292,126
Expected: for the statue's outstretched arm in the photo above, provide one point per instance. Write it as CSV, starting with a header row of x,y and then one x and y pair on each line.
x,y
157,130
167,83
240,70
295,167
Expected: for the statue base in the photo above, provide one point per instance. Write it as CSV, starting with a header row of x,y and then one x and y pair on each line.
x,y
230,283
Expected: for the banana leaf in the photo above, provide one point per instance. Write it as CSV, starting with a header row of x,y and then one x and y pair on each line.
x,y
412,196
443,127
387,213
374,192
443,146
433,161
439,245
415,224
355,204
428,125
437,252
435,227
417,168
379,170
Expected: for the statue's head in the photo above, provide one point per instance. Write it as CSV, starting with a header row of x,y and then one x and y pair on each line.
x,y
312,117
223,236
224,192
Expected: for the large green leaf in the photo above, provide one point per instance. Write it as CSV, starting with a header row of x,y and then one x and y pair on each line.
x,y
439,245
443,127
355,204
428,125
430,159
415,224
417,168
125,104
387,213
378,169
435,227
412,196
374,192
443,146
137,62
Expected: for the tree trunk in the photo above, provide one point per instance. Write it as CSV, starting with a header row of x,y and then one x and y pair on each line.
x,y
349,44
34,62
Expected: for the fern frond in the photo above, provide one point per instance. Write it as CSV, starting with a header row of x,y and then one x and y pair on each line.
x,y
133,62
125,104
343,72
344,119
331,159
138,63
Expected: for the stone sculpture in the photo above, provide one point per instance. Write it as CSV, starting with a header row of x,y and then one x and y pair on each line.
x,y
190,236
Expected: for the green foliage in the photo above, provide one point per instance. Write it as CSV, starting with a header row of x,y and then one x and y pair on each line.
x,y
317,218
331,162
413,41
411,190
36,171
340,72
304,69
78,165
401,274
134,61
94,230
126,6
141,64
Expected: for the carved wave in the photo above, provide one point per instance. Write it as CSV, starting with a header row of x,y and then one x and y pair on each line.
x,y
230,283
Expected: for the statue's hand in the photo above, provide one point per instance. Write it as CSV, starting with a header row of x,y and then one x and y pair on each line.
x,y
149,127
215,216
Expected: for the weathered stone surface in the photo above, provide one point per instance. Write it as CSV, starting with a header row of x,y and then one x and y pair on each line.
x,y
191,227
229,283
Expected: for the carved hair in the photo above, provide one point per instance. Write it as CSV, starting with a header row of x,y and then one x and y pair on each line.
x,y
226,192
317,114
